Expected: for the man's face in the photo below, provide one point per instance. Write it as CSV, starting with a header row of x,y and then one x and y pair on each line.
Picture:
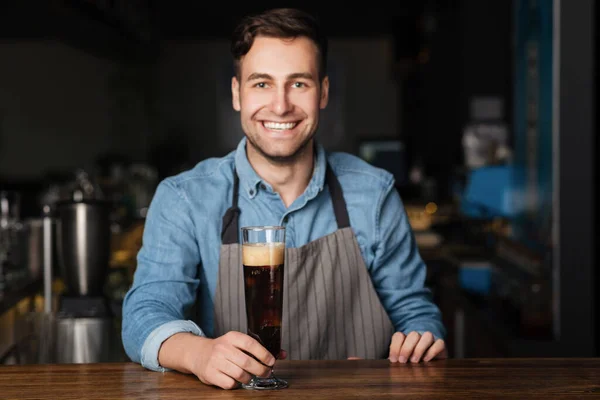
x,y
279,96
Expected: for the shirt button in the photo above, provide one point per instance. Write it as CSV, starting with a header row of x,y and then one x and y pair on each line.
x,y
263,187
285,220
251,192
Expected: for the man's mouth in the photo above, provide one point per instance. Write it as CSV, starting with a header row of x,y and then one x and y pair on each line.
x,y
280,126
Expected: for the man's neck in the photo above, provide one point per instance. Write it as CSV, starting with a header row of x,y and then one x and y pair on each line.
x,y
289,180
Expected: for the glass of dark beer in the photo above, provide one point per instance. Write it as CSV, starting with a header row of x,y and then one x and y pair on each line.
x,y
263,255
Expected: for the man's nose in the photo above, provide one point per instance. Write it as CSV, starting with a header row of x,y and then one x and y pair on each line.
x,y
281,104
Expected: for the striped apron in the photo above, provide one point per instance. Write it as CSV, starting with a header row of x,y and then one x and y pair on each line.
x,y
330,307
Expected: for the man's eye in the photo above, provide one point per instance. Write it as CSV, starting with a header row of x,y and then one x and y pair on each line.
x,y
299,84
261,85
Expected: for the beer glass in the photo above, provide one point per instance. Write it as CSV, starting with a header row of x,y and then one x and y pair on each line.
x,y
263,254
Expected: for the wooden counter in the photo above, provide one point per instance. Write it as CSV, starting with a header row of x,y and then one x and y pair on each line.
x,y
447,379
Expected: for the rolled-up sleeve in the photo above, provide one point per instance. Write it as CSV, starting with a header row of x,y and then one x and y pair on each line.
x,y
149,355
165,281
399,272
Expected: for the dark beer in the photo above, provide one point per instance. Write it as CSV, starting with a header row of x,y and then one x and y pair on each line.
x,y
263,278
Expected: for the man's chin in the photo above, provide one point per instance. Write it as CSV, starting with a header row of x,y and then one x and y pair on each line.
x,y
280,156
283,154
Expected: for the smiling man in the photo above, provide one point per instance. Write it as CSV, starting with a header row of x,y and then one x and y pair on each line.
x,y
355,282
279,91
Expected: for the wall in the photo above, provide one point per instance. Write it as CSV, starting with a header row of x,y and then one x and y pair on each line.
x,y
60,108
194,94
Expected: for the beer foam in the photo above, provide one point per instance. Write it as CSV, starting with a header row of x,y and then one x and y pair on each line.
x,y
263,254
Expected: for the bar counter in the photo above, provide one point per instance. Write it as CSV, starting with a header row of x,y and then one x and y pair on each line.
x,y
447,379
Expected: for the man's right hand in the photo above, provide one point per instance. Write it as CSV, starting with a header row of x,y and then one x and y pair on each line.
x,y
220,362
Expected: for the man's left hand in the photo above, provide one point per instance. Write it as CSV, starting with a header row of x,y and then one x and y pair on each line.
x,y
415,347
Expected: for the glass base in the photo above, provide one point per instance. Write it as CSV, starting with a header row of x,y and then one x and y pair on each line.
x,y
265,384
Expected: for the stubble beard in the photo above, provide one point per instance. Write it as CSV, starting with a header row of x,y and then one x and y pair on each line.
x,y
282,160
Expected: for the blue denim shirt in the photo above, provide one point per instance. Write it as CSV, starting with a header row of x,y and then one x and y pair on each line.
x,y
183,230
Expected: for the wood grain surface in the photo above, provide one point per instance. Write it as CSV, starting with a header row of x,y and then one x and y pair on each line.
x,y
445,379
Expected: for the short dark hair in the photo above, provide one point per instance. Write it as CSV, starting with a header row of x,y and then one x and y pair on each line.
x,y
279,23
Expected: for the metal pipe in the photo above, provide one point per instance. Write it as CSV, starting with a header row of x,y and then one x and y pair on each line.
x,y
47,224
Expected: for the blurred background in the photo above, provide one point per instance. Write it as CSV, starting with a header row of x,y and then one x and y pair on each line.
x,y
485,112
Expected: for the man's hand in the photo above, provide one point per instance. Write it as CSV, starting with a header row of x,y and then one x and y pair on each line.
x,y
223,362
415,348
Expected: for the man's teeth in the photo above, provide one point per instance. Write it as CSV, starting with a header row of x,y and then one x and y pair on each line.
x,y
279,125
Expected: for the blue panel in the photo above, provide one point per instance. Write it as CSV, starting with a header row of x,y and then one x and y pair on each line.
x,y
533,121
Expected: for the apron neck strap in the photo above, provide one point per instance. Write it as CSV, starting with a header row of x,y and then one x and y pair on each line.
x,y
337,197
230,230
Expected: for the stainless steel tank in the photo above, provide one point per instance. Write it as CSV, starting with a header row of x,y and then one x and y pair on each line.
x,y
83,245
84,340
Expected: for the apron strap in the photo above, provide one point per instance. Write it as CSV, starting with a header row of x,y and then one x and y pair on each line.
x,y
337,197
230,230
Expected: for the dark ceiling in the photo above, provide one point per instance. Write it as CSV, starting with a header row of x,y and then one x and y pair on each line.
x,y
177,19
185,19
133,28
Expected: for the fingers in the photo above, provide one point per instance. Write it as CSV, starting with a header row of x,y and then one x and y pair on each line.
x,y
422,346
235,372
221,380
247,363
282,355
408,346
223,363
396,345
437,349
416,347
247,343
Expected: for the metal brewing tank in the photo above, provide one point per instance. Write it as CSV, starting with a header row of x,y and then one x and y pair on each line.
x,y
83,245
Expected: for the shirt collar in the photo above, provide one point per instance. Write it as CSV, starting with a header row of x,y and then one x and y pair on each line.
x,y
249,179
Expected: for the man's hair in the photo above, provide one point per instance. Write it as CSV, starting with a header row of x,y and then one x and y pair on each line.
x,y
284,23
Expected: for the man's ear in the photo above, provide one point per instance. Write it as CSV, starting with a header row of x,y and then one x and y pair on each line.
x,y
324,93
235,94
